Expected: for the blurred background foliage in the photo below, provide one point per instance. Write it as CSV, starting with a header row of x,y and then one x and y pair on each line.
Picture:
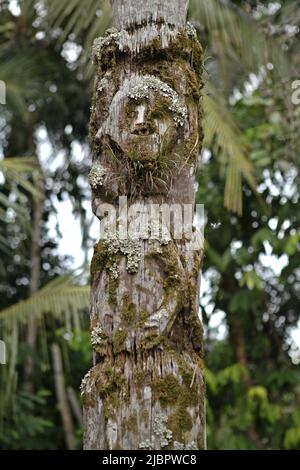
x,y
249,185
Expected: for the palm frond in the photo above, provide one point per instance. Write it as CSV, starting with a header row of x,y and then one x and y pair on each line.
x,y
21,176
57,297
25,86
221,130
236,37
17,169
86,20
63,298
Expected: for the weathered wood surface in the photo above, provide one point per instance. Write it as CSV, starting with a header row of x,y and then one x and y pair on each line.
x,y
146,389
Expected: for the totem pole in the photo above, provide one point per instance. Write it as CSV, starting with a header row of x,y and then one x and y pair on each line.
x,y
146,389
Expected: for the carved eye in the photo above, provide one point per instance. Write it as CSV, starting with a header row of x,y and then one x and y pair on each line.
x,y
160,110
157,114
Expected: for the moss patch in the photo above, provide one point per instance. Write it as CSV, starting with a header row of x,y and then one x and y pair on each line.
x,y
119,340
128,311
179,423
103,259
130,424
166,390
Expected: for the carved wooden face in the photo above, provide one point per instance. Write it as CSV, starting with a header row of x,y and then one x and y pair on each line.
x,y
143,121
148,130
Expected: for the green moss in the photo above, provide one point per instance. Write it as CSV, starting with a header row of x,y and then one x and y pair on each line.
x,y
197,332
100,258
130,424
197,61
168,259
179,423
103,259
113,285
200,441
119,340
169,391
111,404
189,395
145,416
109,385
140,377
166,390
128,311
150,341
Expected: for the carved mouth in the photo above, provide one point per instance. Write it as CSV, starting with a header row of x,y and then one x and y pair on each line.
x,y
143,148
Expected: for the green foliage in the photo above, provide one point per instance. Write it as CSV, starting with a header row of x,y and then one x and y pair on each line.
x,y
253,391
28,427
252,382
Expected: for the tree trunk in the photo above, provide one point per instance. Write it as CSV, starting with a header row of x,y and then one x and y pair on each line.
x,y
35,273
62,399
146,389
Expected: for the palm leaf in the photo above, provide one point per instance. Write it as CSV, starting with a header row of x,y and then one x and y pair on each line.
x,y
86,20
20,179
28,85
57,297
220,129
62,298
237,38
17,170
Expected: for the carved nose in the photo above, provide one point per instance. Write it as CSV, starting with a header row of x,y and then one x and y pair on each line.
x,y
143,128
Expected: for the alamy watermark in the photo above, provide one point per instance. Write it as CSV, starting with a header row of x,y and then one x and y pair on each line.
x,y
2,352
2,92
151,221
296,93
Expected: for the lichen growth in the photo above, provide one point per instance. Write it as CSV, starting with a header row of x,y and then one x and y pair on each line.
x,y
86,386
129,247
149,82
191,31
180,446
97,176
147,444
111,36
98,336
107,253
161,431
103,84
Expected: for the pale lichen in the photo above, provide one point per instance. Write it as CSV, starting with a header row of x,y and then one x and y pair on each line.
x,y
147,444
103,84
97,176
180,446
87,384
145,83
155,319
191,31
129,247
97,335
111,35
160,430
